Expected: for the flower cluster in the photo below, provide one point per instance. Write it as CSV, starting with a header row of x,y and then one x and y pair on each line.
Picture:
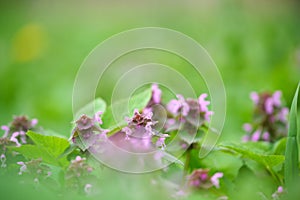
x,y
87,131
140,130
15,135
35,168
189,116
200,179
269,120
77,175
16,131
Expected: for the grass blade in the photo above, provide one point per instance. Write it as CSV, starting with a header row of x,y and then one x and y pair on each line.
x,y
291,152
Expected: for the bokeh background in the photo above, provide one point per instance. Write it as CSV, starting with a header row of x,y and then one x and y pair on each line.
x,y
255,44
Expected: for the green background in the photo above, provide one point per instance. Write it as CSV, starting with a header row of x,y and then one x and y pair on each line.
x,y
255,44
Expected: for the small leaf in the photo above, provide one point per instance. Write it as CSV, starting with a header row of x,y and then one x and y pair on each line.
x,y
115,114
91,108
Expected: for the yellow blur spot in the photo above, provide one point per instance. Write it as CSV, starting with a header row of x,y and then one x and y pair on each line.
x,y
28,43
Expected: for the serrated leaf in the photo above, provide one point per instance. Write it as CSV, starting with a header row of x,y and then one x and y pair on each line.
x,y
115,114
48,148
291,154
91,108
255,153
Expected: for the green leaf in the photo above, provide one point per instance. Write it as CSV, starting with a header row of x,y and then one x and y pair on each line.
x,y
221,162
255,151
48,148
115,113
91,108
291,153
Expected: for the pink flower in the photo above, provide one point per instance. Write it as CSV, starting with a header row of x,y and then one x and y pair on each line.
x,y
215,179
276,98
6,129
97,117
266,136
256,135
34,122
245,138
247,127
254,97
174,106
280,189
156,94
14,138
269,106
283,114
203,103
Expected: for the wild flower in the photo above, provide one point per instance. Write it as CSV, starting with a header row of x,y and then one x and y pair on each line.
x,y
200,179
276,195
17,129
34,168
77,174
188,116
269,119
87,131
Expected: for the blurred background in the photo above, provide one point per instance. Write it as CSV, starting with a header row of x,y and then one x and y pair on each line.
x,y
255,44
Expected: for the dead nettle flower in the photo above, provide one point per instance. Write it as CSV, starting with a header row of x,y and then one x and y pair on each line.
x,y
77,173
276,195
34,168
140,131
155,99
17,129
200,179
188,116
269,120
78,168
87,131
190,107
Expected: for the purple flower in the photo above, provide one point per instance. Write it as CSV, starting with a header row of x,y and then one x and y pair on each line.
x,y
280,189
247,127
175,106
283,114
14,138
269,106
245,138
254,97
215,179
266,136
278,192
256,135
161,142
276,98
156,94
97,117
6,129
203,103
34,122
